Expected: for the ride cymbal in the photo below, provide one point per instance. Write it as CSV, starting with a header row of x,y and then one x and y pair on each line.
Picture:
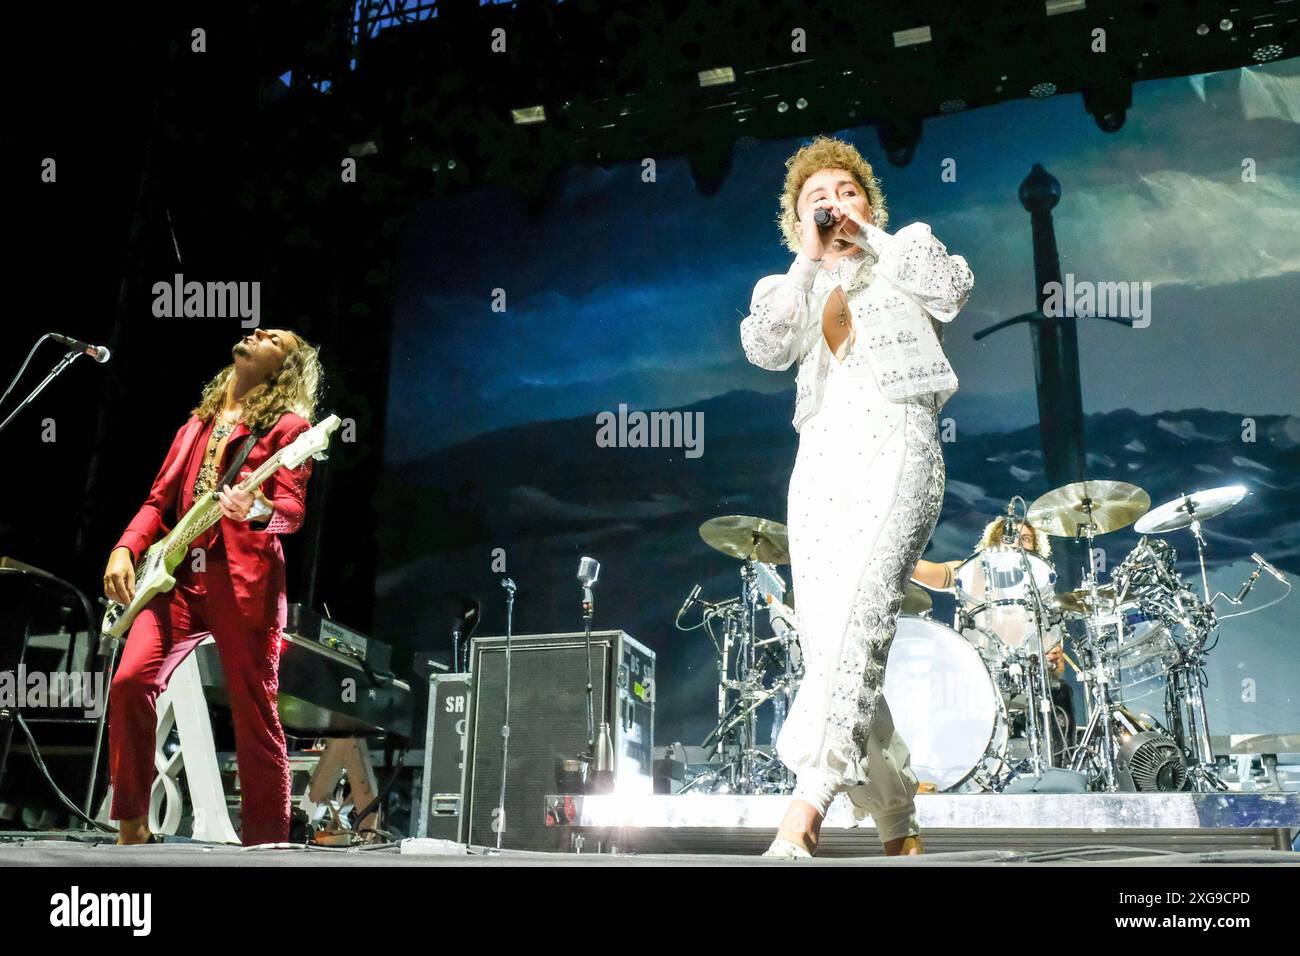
x,y
1108,505
1199,505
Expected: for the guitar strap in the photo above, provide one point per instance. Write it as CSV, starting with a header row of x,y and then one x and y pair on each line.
x,y
240,458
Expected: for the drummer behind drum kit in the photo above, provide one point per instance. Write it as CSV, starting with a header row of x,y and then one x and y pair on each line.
x,y
974,701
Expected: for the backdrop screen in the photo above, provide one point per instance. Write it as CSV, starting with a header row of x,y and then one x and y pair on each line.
x,y
517,335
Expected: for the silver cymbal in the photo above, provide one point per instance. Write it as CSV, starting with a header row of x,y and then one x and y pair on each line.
x,y
1079,601
1063,511
1179,513
746,537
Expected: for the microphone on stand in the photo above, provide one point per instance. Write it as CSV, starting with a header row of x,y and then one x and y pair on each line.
x,y
588,572
1010,526
600,749
464,612
690,600
1267,566
98,352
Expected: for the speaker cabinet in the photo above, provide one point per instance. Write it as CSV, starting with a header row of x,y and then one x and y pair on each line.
x,y
548,724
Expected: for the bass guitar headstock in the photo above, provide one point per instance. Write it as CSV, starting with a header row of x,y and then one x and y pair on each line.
x,y
310,444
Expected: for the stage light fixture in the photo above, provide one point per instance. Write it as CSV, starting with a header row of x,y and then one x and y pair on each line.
x,y
528,114
719,76
913,37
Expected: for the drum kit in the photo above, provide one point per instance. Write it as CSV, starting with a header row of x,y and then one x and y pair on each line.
x,y
752,670
975,701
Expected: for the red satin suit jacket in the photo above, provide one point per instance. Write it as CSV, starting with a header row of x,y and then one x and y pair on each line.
x,y
252,552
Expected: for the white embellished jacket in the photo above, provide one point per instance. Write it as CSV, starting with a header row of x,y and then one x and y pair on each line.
x,y
893,286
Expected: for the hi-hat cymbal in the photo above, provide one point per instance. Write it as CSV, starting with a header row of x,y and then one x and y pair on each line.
x,y
746,537
1079,601
1064,511
916,600
1072,603
1179,513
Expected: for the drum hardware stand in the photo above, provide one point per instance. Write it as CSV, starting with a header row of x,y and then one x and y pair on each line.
x,y
1186,676
737,724
1184,694
1040,695
1034,689
781,694
1186,701
1099,709
1100,704
746,671
1190,507
1185,684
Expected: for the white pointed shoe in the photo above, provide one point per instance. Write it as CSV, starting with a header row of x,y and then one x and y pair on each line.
x,y
787,850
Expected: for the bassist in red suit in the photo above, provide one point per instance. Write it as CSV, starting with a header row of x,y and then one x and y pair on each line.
x,y
231,585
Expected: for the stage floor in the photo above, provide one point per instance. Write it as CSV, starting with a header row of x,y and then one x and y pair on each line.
x,y
1125,829
55,851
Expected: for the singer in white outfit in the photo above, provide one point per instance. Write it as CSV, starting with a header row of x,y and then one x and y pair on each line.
x,y
857,311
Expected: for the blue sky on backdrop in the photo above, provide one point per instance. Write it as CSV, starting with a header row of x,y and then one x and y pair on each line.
x,y
632,292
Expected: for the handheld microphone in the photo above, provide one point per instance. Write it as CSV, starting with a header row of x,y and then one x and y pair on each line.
x,y
1267,566
98,352
822,216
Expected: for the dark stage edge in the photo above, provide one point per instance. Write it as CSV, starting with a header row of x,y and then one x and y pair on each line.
x,y
56,850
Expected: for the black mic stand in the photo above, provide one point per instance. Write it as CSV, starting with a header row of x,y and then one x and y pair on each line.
x,y
600,775
588,605
509,585
54,373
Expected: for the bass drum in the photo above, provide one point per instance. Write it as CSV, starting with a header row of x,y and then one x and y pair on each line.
x,y
946,706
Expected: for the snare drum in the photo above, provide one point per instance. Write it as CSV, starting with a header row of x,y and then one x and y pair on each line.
x,y
994,594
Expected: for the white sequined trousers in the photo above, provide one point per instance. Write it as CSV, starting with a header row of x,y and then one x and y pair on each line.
x,y
864,498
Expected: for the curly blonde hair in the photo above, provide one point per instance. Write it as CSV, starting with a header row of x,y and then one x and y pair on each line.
x,y
295,387
993,536
824,152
